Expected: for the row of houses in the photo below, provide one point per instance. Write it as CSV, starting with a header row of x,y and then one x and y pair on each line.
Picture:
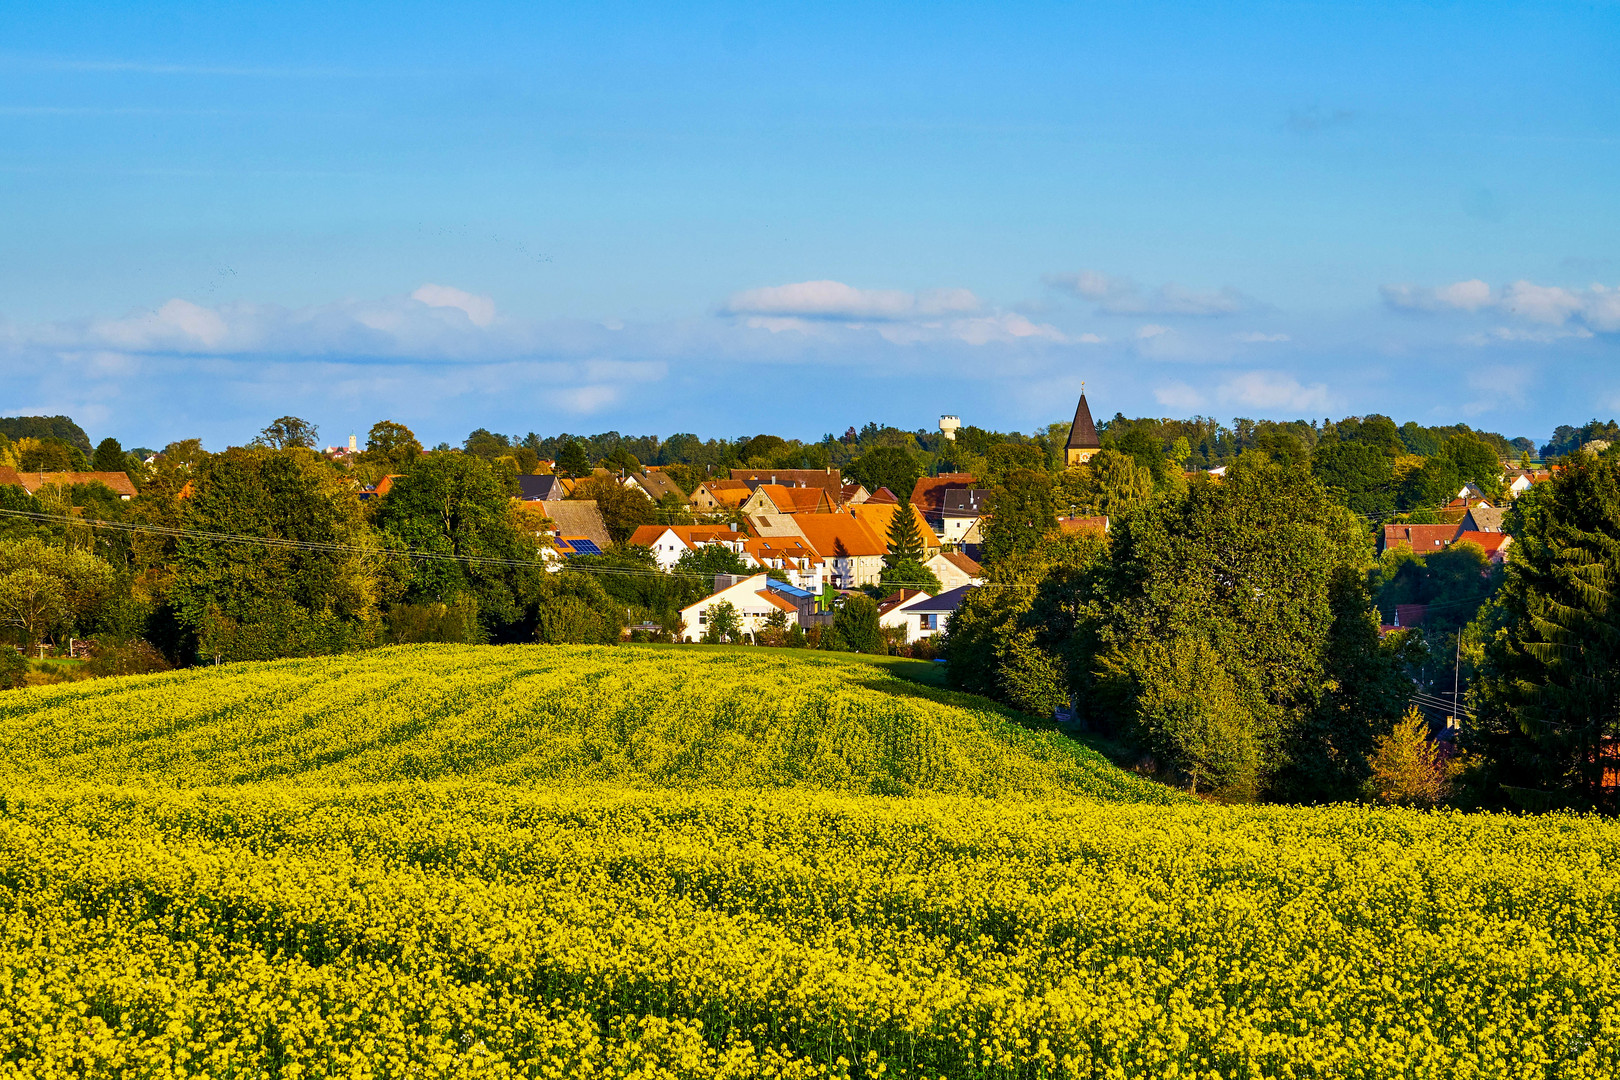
x,y
1477,523
757,598
842,550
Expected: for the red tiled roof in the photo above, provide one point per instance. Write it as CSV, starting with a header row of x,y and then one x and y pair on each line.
x,y
781,547
829,480
1411,614
928,489
31,482
1494,543
895,599
690,535
823,532
879,517
1419,538
796,500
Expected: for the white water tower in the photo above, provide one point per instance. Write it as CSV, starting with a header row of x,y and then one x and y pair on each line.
x,y
948,426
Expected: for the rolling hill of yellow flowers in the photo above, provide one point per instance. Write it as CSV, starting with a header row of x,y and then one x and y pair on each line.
x,y
446,861
646,717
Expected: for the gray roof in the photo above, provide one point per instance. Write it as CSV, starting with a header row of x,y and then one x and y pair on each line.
x,y
578,517
944,603
538,488
1487,518
963,502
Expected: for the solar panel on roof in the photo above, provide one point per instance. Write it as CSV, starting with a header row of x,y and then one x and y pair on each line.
x,y
582,546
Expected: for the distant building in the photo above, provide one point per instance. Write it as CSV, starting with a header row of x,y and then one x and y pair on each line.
x,y
752,597
929,617
954,569
670,542
1082,445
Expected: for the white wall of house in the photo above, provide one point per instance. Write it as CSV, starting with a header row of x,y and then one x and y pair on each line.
x,y
899,616
923,624
668,549
951,528
752,609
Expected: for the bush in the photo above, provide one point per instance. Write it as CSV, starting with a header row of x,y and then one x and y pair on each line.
x,y
128,658
573,609
13,668
455,622
855,628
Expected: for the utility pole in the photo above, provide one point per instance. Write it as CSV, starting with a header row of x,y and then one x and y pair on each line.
x,y
1456,676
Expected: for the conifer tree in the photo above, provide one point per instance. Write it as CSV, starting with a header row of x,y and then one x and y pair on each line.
x,y
1549,696
905,539
572,462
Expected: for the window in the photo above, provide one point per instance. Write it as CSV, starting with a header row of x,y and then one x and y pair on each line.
x,y
928,622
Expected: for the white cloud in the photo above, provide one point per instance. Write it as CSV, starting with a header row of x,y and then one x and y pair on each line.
x,y
837,302
1152,330
178,324
1178,395
480,309
1007,327
1121,296
1497,335
1469,295
587,399
1255,337
830,309
1597,306
1541,303
1273,390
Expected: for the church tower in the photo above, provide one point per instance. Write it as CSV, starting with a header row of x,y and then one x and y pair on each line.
x,y
1082,442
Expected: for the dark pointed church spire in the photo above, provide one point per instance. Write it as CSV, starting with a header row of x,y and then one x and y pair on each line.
x,y
1082,433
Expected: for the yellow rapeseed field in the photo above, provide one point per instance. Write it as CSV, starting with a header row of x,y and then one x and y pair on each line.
x,y
215,874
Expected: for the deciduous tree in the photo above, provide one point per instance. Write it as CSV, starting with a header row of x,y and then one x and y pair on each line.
x,y
288,432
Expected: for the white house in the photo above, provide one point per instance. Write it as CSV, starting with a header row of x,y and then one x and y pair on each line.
x,y
895,611
957,511
929,615
753,600
670,542
791,555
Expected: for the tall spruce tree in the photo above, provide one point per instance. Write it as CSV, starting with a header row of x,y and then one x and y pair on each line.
x,y
109,456
905,539
572,462
1548,699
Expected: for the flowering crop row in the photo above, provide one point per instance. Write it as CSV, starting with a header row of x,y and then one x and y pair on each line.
x,y
460,928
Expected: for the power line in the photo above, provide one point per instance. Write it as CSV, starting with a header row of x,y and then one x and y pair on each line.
x,y
330,548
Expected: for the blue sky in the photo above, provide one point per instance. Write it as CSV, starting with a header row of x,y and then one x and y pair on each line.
x,y
743,218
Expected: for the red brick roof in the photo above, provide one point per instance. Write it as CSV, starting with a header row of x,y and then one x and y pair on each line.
x,y
823,532
928,489
829,480
1419,538
31,482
